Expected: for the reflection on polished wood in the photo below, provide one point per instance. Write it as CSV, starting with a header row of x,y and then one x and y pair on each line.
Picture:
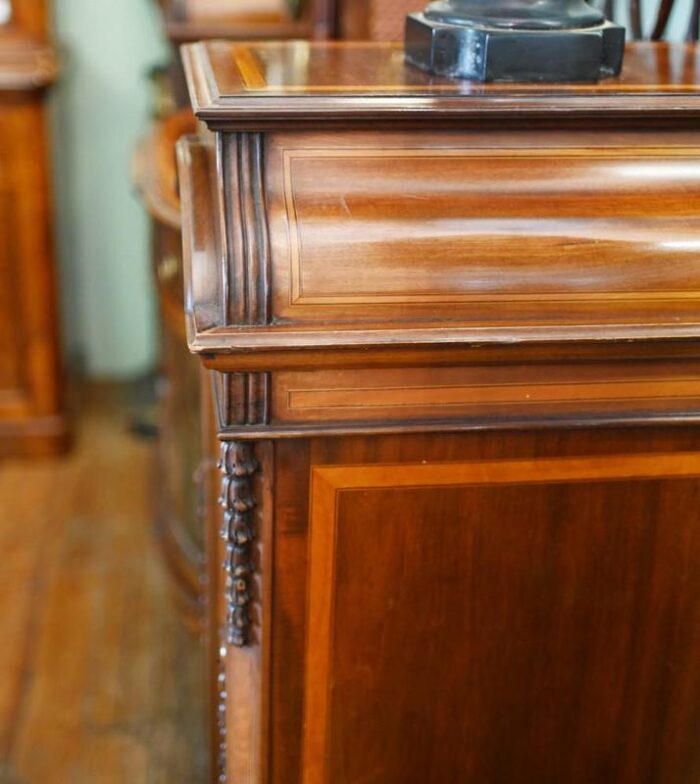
x,y
101,683
362,83
456,375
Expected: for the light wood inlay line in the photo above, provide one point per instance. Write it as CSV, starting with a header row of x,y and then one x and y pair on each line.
x,y
299,297
613,468
329,483
493,394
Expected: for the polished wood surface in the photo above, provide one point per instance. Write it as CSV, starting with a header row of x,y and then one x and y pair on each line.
x,y
101,684
454,370
363,84
524,585
541,221
502,619
32,419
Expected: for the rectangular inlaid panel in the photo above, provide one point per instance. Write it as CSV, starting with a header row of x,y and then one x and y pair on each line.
x,y
536,229
504,621
505,391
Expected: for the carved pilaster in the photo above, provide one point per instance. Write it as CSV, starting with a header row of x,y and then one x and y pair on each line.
x,y
238,465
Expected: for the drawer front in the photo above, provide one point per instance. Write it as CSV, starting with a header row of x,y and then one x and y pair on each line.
x,y
488,393
485,229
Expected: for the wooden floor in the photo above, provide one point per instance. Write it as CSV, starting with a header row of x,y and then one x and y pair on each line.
x,y
99,680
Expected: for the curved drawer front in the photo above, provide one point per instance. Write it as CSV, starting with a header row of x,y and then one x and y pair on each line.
x,y
542,228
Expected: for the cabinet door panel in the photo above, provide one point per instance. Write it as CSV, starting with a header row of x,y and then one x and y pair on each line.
x,y
504,621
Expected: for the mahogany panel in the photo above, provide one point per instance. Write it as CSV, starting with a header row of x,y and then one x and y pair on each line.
x,y
485,393
450,226
430,262
533,537
543,612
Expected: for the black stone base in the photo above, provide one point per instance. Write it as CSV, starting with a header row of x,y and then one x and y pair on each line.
x,y
489,54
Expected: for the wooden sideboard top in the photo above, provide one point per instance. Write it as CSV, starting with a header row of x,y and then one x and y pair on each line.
x,y
262,85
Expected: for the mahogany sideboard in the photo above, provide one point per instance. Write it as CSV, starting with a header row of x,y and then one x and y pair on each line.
x,y
32,418
452,337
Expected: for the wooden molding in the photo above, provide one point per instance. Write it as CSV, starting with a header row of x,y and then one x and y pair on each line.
x,y
238,464
248,245
333,84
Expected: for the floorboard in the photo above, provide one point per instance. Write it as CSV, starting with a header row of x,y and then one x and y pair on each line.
x,y
101,682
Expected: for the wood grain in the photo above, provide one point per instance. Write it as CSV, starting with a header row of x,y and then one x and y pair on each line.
x,y
523,659
361,84
101,683
471,571
401,529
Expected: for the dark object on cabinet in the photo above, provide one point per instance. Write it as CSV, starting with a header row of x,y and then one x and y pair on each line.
x,y
32,419
515,40
453,337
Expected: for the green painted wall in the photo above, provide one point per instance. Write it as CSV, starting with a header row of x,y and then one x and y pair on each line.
x,y
100,108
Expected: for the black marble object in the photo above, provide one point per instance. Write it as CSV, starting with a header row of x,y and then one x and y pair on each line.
x,y
515,41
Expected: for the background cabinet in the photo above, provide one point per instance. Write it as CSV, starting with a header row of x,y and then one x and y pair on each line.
x,y
32,421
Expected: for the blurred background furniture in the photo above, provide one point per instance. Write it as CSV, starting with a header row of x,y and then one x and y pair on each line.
x,y
178,453
32,417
